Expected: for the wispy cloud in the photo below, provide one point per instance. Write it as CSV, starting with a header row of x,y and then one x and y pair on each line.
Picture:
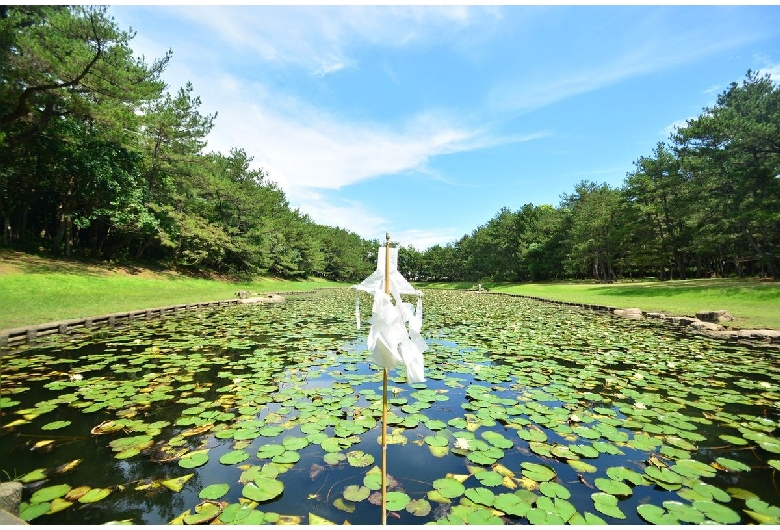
x,y
657,52
679,124
322,39
312,148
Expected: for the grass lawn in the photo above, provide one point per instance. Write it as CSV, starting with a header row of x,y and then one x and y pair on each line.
x,y
754,304
37,290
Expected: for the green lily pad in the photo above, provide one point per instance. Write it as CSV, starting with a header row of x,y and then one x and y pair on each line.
x,y
480,496
732,465
717,512
359,459
613,487
264,490
418,507
482,517
287,457
554,490
214,491
333,459
55,425
94,495
489,478
397,500
607,504
50,492
28,512
623,473
656,515
735,440
233,457
436,441
511,504
269,451
684,512
194,459
449,487
538,516
762,512
356,493
538,472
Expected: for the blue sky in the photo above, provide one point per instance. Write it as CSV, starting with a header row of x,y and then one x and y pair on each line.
x,y
425,121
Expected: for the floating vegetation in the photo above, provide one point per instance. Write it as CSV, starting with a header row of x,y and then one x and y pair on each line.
x,y
271,414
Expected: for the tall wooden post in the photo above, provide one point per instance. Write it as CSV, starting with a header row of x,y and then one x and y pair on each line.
x,y
384,394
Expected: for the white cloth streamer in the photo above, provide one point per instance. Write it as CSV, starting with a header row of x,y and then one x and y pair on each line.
x,y
391,342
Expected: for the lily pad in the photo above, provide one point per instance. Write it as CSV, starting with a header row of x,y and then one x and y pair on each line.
x,y
613,487
397,500
538,472
233,457
359,459
607,504
194,459
480,496
48,493
717,512
511,504
356,493
214,491
263,490
449,487
55,425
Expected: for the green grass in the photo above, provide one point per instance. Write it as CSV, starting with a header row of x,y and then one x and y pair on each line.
x,y
36,291
754,304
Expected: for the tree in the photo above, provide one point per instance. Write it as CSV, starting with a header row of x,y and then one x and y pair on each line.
x,y
659,190
69,61
733,154
595,234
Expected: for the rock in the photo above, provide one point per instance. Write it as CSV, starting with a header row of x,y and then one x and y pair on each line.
x,y
10,497
717,317
700,325
632,312
655,315
766,335
242,294
682,321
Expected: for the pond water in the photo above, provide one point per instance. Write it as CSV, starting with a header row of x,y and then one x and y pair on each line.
x,y
531,413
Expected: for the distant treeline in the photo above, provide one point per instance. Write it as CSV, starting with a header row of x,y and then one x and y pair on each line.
x,y
99,159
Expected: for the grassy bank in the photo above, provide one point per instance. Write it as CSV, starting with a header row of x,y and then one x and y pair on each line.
x,y
36,290
754,304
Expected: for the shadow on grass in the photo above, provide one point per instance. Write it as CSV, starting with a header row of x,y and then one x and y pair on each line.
x,y
44,264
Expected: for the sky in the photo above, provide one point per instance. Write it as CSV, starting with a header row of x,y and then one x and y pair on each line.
x,y
424,121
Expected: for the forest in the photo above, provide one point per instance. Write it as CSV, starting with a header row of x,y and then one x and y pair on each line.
x,y
99,159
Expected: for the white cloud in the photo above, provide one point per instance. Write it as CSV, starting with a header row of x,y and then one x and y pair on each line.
x,y
773,70
679,124
311,148
321,39
534,90
422,240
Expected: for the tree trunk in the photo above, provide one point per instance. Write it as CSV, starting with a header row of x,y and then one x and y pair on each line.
x,y
767,259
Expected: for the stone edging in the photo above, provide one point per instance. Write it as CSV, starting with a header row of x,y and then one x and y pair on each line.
x,y
14,336
754,337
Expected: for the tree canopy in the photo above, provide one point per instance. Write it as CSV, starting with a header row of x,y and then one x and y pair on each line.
x,y
99,158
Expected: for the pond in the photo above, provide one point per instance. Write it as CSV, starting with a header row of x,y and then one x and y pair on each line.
x,y
530,413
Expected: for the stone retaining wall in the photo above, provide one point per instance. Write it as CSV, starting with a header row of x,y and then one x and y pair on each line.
x,y
14,336
756,337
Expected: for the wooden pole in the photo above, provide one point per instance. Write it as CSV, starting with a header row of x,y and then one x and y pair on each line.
x,y
384,395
